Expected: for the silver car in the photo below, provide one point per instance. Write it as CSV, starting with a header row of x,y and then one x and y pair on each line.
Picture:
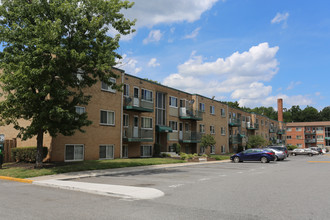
x,y
304,151
279,155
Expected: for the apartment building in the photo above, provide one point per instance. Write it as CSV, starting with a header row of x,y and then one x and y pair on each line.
x,y
308,134
146,118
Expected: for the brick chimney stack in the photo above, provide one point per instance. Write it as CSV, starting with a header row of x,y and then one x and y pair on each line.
x,y
280,110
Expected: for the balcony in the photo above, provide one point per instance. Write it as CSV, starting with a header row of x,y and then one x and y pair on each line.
x,y
190,114
235,139
135,134
272,130
191,137
281,131
234,122
310,132
310,141
138,104
252,126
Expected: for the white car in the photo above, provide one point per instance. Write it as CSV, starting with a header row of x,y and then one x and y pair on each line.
x,y
304,151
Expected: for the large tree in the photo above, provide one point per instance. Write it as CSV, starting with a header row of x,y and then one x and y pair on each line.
x,y
53,49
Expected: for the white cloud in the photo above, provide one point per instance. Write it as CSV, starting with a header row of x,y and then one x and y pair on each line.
x,y
149,13
281,18
154,36
292,85
129,65
153,63
193,34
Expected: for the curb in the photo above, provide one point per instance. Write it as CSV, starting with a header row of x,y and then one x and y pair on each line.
x,y
16,179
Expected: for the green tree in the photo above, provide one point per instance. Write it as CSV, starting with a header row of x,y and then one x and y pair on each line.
x,y
53,49
256,141
325,114
207,140
295,113
309,114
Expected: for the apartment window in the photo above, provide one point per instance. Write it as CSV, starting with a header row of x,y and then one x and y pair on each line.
x,y
202,128
187,127
262,122
125,120
289,129
308,129
299,137
146,95
212,111
202,107
146,151
319,137
319,129
80,110
107,117
299,145
126,90
173,101
223,131
74,152
298,128
212,131
266,123
146,123
223,149
107,87
223,112
202,150
212,150
288,137
160,108
243,119
174,126
106,151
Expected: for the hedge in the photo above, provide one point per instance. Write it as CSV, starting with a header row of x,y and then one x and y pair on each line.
x,y
26,154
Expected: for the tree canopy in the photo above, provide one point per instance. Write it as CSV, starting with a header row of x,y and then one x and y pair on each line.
x,y
53,49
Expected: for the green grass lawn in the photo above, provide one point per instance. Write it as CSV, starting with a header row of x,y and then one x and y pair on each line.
x,y
28,172
221,156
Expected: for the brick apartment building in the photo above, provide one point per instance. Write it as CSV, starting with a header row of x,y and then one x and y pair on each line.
x,y
309,134
147,114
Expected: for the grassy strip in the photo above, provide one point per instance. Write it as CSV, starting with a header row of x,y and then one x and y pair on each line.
x,y
19,172
221,157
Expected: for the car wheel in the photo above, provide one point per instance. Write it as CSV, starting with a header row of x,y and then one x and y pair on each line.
x,y
310,155
276,158
293,154
264,160
236,159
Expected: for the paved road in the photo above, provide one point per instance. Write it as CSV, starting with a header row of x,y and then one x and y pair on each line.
x,y
291,189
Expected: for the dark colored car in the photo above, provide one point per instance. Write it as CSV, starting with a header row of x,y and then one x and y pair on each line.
x,y
254,155
281,148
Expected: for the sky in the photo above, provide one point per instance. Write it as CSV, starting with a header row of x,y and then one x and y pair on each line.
x,y
250,51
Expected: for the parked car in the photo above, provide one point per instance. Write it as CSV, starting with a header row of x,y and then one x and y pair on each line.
x,y
254,154
280,147
324,150
318,149
304,151
279,155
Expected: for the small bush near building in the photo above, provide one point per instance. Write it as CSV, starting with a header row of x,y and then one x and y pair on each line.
x,y
26,154
291,147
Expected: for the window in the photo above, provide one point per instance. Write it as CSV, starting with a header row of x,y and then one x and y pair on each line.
x,y
319,137
106,152
319,129
223,131
146,123
299,145
107,87
146,95
289,129
107,117
146,151
298,128
187,127
288,137
202,150
202,128
243,119
212,129
173,102
223,149
126,90
212,150
299,137
80,110
174,126
125,120
201,107
262,122
223,112
160,109
212,111
74,152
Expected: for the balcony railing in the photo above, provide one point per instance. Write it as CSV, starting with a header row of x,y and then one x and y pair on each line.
x,y
190,114
252,126
281,131
272,130
310,132
235,139
191,137
310,141
234,122
134,134
138,104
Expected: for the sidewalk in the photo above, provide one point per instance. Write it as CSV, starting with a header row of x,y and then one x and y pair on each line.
x,y
62,181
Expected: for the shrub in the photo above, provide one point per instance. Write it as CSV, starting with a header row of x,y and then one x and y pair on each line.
x,y
27,154
183,156
204,155
291,147
177,147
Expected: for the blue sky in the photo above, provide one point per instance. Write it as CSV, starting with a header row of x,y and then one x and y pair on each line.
x,y
250,51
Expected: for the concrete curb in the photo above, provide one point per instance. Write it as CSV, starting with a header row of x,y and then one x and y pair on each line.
x,y
16,179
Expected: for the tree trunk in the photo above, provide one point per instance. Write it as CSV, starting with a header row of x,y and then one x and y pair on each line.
x,y
39,156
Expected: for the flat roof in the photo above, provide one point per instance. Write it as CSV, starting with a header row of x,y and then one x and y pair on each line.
x,y
314,123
